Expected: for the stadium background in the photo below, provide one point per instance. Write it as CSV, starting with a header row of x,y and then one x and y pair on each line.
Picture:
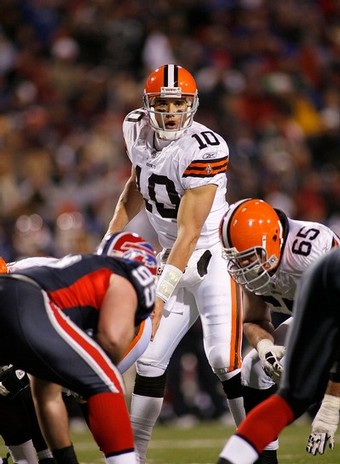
x,y
268,75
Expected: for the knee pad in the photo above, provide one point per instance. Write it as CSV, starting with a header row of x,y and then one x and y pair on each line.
x,y
150,386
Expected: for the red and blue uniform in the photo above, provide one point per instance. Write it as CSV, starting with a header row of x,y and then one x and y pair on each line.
x,y
46,312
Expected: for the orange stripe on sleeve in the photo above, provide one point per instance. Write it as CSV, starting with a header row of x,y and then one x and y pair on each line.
x,y
206,168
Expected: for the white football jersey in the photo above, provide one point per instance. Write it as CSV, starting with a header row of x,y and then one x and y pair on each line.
x,y
304,243
200,157
30,262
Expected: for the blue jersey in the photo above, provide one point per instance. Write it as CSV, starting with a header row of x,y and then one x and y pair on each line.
x,y
77,284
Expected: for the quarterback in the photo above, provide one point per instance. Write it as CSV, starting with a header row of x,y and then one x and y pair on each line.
x,y
179,176
267,253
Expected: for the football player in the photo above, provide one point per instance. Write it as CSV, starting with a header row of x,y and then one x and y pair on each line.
x,y
67,299
179,176
267,253
19,427
312,351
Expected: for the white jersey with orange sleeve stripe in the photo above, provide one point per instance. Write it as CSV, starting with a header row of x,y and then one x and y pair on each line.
x,y
164,172
304,242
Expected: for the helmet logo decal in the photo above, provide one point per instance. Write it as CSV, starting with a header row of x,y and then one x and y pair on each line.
x,y
131,251
131,246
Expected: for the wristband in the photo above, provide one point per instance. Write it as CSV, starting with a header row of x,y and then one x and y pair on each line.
x,y
264,345
167,281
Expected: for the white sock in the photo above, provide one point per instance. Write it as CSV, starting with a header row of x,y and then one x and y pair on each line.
x,y
236,407
238,451
273,445
24,453
126,458
144,414
44,454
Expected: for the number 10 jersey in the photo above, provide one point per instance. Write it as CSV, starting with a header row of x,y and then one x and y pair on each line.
x,y
200,157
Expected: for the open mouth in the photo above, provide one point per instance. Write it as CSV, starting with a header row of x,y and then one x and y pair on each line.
x,y
171,125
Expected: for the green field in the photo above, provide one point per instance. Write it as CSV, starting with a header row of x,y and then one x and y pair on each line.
x,y
201,445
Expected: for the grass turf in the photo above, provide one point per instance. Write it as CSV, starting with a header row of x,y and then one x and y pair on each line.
x,y
201,444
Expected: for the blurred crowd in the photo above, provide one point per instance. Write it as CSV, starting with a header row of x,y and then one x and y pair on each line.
x,y
268,74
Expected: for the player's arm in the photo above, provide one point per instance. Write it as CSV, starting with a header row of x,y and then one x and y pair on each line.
x,y
116,318
257,320
258,329
128,206
193,211
326,421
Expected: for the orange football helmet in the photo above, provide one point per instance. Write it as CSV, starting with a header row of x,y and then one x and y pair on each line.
x,y
170,81
3,266
251,234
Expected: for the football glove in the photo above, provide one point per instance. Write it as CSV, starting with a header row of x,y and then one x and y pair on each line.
x,y
324,426
270,356
12,381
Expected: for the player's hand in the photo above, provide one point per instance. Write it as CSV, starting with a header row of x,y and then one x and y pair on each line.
x,y
317,443
156,316
12,381
324,426
270,356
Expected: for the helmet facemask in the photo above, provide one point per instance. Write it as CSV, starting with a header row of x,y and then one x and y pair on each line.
x,y
170,82
186,117
251,234
255,275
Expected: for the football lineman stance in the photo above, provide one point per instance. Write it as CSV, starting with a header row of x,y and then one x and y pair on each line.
x,y
70,324
267,253
179,176
311,352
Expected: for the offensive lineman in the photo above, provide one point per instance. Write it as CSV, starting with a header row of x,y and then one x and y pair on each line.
x,y
312,349
179,176
267,253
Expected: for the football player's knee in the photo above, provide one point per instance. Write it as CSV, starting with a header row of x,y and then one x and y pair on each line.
x,y
219,361
150,386
147,369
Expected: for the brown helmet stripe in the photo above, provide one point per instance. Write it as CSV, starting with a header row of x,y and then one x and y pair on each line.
x,y
170,75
